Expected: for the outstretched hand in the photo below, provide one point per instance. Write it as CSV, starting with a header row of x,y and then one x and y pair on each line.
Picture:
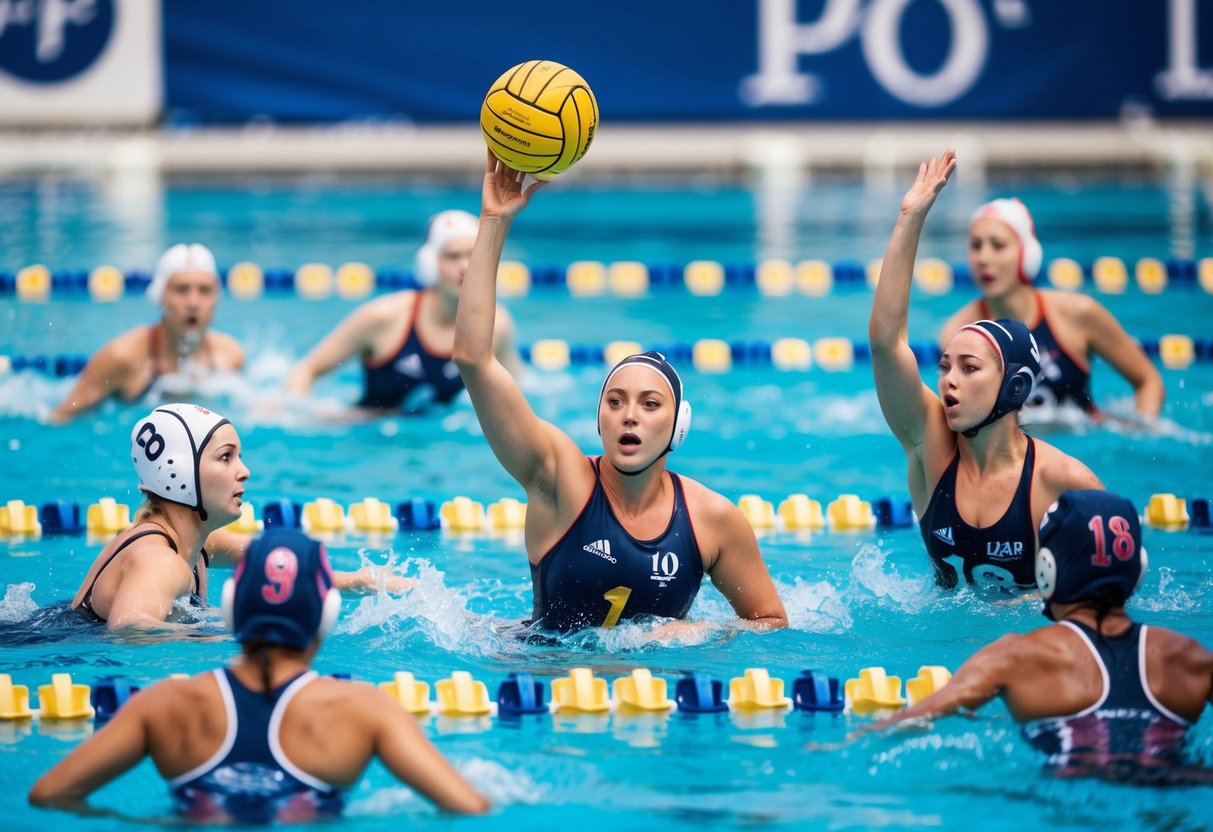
x,y
932,176
503,196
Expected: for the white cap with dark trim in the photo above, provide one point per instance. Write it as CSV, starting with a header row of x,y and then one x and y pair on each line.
x,y
166,447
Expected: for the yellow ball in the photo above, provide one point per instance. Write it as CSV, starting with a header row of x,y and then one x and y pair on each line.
x,y
539,118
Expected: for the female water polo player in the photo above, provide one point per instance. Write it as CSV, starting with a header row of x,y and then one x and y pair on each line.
x,y
979,484
190,470
267,738
1069,327
616,536
1098,692
168,358
404,339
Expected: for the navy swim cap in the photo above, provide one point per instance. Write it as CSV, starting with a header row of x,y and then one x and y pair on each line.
x,y
1020,358
1090,550
282,592
656,361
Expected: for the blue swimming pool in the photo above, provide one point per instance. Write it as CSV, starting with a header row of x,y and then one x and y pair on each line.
x,y
854,600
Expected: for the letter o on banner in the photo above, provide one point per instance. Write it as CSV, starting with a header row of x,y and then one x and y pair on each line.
x,y
881,38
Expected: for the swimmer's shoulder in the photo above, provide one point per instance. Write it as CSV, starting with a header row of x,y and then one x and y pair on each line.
x,y
127,351
361,702
389,307
706,505
383,313
1047,649
1057,471
1176,650
228,351
1070,308
167,703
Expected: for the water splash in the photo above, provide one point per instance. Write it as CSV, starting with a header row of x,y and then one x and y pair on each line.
x,y
18,603
501,785
871,570
1171,597
31,395
431,608
816,607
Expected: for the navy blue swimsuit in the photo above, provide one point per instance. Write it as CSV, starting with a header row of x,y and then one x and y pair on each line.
x,y
413,377
1062,380
249,779
1127,728
85,606
1001,556
598,574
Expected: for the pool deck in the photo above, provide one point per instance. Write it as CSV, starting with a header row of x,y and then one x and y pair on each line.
x,y
1135,144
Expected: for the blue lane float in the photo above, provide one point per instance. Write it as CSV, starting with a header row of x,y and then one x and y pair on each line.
x,y
521,694
699,693
1198,511
109,694
61,518
893,514
417,515
814,691
284,513
1173,271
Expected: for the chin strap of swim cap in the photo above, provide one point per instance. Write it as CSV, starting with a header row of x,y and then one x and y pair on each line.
x,y
1020,357
282,592
1014,214
1089,550
682,408
166,447
443,227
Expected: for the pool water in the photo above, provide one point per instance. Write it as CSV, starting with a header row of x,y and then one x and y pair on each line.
x,y
854,600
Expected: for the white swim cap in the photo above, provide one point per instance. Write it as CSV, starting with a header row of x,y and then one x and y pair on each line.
x,y
183,257
1014,214
444,227
166,447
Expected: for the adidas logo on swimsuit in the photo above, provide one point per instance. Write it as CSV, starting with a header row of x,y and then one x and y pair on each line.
x,y
602,548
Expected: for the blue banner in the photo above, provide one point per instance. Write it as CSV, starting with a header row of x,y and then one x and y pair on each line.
x,y
231,61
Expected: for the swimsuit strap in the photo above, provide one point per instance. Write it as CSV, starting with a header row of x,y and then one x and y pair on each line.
x,y
87,602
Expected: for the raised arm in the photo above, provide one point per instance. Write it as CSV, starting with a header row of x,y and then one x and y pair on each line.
x,y
523,443
351,337
904,399
101,377
504,343
1110,341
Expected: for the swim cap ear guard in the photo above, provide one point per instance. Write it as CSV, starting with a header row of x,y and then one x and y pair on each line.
x,y
443,227
282,592
1015,215
166,447
1016,348
656,361
1090,550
